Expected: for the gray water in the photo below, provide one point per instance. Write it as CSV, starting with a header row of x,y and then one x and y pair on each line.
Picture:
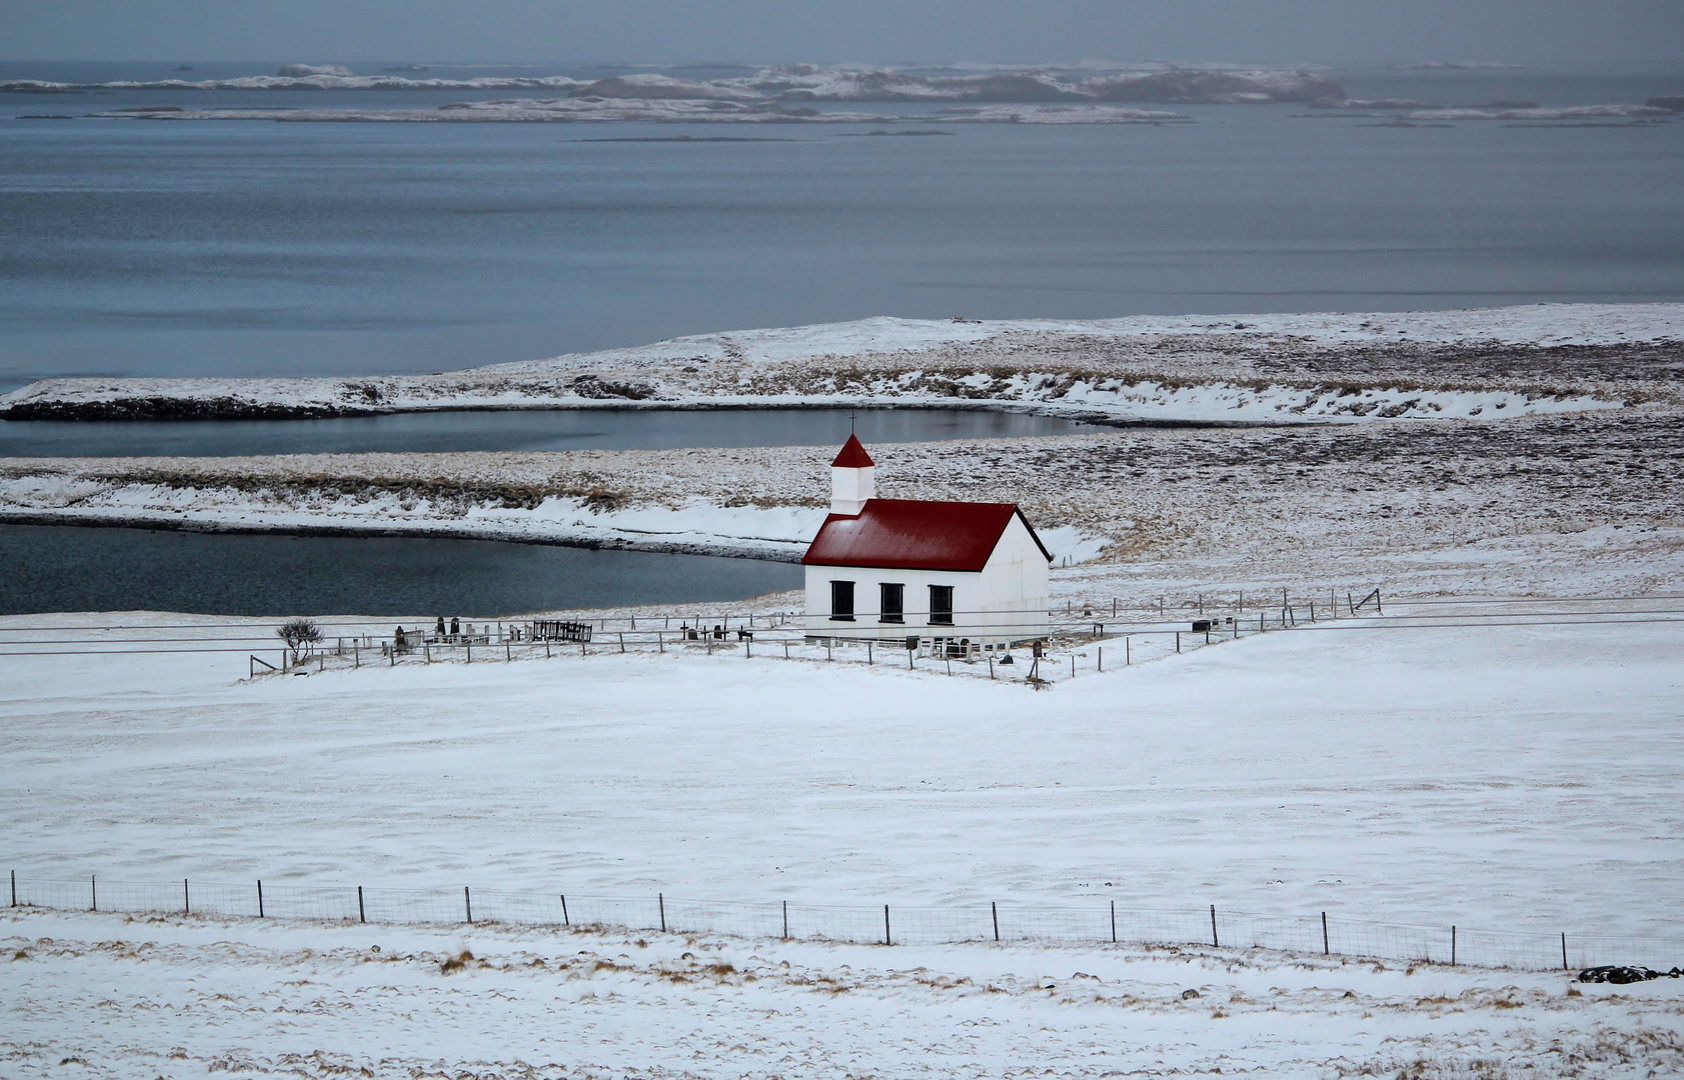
x,y
69,568
562,429
261,248
257,248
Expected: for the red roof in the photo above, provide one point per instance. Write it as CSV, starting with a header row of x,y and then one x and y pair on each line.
x,y
853,456
912,534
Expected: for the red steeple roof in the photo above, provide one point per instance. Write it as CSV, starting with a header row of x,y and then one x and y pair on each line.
x,y
912,534
853,456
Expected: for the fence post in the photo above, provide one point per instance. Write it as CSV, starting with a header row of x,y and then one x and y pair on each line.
x,y
868,660
260,898
360,916
1113,922
622,641
1453,945
468,903
1127,658
1564,966
887,939
1324,948
1178,641
469,647
1214,942
186,905
1101,666
565,921
661,900
356,654
786,920
994,909
14,888
93,892
508,653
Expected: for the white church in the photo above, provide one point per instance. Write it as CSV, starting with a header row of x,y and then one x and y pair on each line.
x,y
963,578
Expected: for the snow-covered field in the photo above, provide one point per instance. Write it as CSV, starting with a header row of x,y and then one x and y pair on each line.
x,y
1519,779
105,996
1502,779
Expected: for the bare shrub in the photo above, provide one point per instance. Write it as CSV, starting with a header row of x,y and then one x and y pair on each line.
x,y
299,634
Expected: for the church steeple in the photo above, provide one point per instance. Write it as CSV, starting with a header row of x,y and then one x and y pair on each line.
x,y
853,479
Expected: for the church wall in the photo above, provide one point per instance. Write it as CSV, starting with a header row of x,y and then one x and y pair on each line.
x,y
1005,602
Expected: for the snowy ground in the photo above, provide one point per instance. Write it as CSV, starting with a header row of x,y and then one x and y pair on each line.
x,y
1518,779
105,996
1492,778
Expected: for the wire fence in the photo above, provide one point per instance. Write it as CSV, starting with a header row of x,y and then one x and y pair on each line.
x,y
1082,637
1097,924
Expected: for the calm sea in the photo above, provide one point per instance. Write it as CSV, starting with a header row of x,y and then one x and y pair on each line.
x,y
246,248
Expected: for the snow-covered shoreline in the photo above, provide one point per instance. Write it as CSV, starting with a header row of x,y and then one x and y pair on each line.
x,y
1518,503
1215,84
774,535
1419,434
1244,369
